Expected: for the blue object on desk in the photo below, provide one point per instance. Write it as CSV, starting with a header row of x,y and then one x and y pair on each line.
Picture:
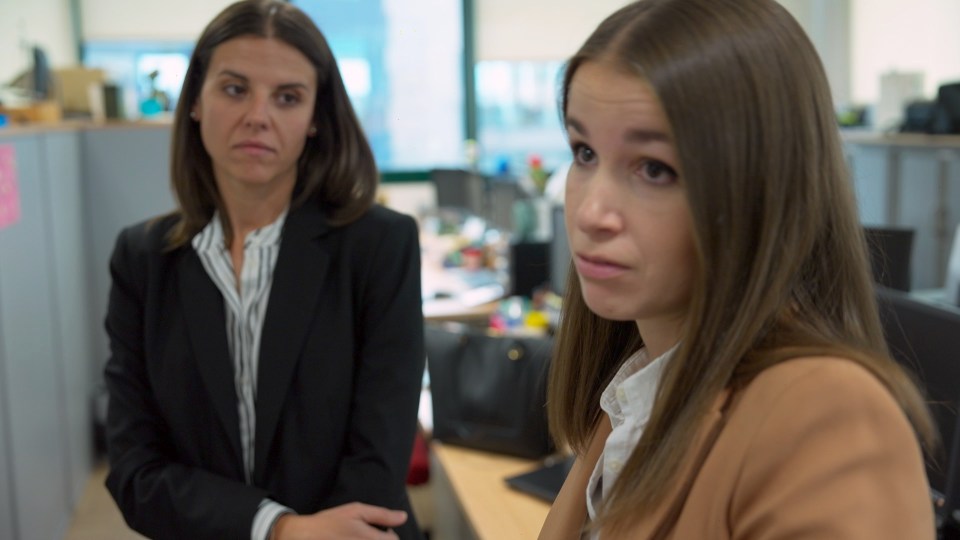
x,y
3,120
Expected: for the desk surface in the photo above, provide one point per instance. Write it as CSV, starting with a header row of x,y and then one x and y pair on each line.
x,y
451,309
492,509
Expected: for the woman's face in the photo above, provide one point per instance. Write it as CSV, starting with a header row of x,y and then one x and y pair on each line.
x,y
627,214
255,111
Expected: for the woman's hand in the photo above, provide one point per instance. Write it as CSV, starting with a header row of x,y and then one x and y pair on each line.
x,y
348,521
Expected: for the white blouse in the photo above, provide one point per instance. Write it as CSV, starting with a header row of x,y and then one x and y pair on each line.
x,y
627,400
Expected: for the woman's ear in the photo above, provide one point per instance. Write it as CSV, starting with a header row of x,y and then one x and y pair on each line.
x,y
312,131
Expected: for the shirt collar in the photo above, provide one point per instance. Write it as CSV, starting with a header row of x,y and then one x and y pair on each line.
x,y
633,389
211,238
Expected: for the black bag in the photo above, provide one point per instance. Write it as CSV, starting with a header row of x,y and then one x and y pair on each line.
x,y
489,392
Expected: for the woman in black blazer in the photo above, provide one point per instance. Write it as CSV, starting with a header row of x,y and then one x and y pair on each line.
x,y
267,337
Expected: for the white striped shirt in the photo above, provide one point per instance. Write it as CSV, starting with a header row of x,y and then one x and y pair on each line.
x,y
245,307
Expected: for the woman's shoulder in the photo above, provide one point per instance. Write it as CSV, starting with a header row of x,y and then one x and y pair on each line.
x,y
820,444
148,236
379,216
380,223
817,375
818,383
804,393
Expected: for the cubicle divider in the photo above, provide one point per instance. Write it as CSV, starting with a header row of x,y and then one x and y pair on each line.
x,y
75,188
44,346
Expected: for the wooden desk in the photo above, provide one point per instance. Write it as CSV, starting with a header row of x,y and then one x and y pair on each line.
x,y
472,500
450,309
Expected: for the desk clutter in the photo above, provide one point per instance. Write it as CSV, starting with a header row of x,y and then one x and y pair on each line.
x,y
463,258
468,262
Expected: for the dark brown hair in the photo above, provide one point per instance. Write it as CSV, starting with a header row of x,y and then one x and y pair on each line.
x,y
336,168
782,263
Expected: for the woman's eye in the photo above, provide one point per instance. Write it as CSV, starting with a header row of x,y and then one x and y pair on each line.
x,y
657,172
233,90
288,99
583,154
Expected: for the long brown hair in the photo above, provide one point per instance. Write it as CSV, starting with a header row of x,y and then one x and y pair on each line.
x,y
336,169
782,263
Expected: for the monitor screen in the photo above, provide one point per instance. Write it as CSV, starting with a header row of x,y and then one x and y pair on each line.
x,y
922,336
559,252
41,74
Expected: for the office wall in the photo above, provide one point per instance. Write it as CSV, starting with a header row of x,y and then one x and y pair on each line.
x,y
919,35
554,29
141,20
44,22
880,35
536,29
828,23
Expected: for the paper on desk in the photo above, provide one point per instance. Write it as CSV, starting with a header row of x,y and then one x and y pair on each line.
x,y
425,412
9,193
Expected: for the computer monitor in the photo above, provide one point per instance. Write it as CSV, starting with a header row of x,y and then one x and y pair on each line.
x,y
41,77
559,252
458,188
922,335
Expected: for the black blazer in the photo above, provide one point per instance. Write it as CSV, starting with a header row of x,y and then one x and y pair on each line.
x,y
341,365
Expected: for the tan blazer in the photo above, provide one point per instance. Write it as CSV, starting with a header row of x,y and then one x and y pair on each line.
x,y
812,448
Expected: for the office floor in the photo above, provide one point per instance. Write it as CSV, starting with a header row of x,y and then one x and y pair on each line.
x,y
97,517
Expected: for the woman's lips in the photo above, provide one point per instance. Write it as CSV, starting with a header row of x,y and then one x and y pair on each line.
x,y
254,149
597,267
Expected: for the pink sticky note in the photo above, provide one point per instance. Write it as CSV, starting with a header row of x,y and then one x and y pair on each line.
x,y
9,194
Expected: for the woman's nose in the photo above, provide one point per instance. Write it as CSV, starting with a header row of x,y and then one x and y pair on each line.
x,y
257,114
597,204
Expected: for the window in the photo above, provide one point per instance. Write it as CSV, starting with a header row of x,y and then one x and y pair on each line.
x,y
401,61
130,64
402,64
518,115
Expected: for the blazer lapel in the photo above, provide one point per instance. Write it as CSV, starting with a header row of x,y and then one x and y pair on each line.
x,y
661,523
206,325
297,282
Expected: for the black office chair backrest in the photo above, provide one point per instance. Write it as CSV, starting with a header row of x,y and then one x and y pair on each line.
x,y
890,254
923,337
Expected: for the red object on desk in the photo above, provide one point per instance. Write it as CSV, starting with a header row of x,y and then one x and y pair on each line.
x,y
419,471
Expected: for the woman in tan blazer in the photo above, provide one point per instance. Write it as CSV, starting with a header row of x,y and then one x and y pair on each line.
x,y
721,369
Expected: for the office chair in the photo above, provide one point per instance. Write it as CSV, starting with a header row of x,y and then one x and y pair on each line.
x,y
890,253
922,336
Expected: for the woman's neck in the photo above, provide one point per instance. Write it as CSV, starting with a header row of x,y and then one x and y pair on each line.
x,y
660,335
247,211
